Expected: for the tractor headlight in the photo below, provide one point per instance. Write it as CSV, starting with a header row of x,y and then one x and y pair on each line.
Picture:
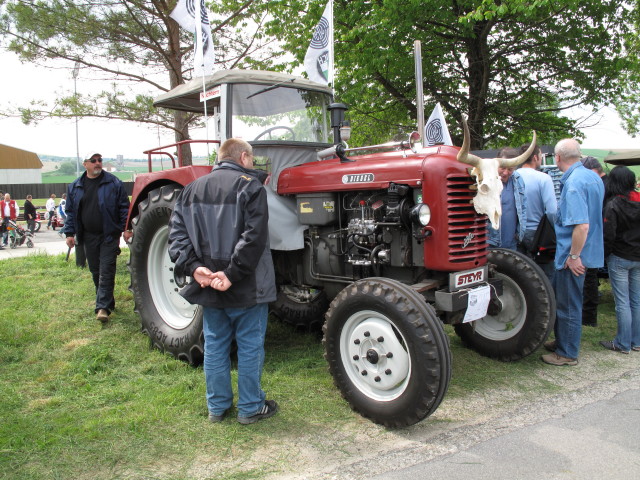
x,y
421,214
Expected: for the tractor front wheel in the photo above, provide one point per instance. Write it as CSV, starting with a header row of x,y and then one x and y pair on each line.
x,y
387,351
527,310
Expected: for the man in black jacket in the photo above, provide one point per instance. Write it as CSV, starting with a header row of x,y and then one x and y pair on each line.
x,y
97,208
30,214
219,236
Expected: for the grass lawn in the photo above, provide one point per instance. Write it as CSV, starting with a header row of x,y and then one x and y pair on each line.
x,y
79,401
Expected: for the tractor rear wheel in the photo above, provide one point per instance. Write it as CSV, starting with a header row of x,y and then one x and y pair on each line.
x,y
387,351
527,315
173,325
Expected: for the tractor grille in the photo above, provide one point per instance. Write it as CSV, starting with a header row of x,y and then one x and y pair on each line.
x,y
467,231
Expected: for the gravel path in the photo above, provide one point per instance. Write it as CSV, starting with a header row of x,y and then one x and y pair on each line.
x,y
461,423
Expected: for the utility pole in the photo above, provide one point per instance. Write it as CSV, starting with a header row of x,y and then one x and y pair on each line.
x,y
76,69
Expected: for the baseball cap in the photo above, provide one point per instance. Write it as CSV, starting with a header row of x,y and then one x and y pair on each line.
x,y
91,154
591,163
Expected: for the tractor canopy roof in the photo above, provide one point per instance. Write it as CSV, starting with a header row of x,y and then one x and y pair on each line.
x,y
628,158
186,97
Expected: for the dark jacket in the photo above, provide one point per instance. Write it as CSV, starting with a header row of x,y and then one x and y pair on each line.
x,y
220,221
29,210
622,227
114,206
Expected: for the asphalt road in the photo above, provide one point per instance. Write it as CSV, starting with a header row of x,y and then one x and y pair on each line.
x,y
597,441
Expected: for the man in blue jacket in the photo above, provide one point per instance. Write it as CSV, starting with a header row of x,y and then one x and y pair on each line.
x,y
97,208
219,235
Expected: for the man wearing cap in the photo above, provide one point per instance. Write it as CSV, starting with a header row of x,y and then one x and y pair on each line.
x,y
97,207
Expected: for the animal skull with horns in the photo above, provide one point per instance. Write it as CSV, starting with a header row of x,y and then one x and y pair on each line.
x,y
487,200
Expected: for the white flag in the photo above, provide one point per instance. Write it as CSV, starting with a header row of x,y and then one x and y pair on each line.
x,y
186,14
436,131
318,62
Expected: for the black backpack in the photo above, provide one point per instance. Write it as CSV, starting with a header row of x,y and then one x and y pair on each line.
x,y
544,242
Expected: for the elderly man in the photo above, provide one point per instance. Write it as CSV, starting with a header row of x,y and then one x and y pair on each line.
x,y
579,246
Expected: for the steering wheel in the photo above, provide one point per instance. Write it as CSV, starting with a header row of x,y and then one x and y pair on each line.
x,y
269,130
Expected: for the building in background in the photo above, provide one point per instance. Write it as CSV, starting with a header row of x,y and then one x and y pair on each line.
x,y
19,166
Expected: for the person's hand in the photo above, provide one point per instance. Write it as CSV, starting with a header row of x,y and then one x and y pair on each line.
x,y
220,282
575,266
203,276
127,235
70,242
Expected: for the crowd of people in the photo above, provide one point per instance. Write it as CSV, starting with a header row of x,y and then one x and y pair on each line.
x,y
595,218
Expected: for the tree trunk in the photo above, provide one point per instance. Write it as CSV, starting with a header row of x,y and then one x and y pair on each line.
x,y
175,74
479,75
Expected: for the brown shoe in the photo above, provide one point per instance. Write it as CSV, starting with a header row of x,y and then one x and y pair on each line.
x,y
550,345
102,316
558,361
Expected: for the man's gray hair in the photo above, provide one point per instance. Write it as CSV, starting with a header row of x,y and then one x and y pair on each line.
x,y
568,148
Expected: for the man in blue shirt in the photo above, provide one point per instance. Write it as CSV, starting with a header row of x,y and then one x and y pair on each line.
x,y
579,246
541,200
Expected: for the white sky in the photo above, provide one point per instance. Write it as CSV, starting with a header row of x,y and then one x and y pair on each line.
x,y
22,83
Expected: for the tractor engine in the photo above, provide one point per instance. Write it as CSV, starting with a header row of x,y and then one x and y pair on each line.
x,y
361,234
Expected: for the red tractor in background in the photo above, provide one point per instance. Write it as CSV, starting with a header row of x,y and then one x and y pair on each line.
x,y
379,244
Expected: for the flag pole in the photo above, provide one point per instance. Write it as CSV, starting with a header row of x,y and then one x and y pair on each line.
x,y
332,53
200,53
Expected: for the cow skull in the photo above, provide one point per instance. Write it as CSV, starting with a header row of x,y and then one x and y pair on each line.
x,y
487,200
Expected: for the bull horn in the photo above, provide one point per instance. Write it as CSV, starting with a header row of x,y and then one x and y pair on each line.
x,y
514,162
463,155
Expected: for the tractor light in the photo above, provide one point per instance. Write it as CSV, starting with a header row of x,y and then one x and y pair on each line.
x,y
421,214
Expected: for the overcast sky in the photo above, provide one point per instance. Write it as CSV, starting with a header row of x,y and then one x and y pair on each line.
x,y
22,83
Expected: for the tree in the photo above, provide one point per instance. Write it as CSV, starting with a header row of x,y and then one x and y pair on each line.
x,y
510,66
135,44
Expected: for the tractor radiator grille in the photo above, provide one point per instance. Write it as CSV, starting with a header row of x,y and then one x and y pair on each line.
x,y
467,232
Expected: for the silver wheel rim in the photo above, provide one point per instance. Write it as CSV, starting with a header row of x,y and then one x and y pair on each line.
x,y
174,310
375,356
511,319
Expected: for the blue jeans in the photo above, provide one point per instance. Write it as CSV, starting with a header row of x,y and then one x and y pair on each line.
x,y
568,327
248,326
624,276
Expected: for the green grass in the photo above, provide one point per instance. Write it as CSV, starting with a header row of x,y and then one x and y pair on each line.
x,y
78,401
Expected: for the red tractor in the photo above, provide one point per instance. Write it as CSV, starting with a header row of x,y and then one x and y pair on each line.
x,y
379,244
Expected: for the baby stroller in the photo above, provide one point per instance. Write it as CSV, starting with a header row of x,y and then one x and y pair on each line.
x,y
18,235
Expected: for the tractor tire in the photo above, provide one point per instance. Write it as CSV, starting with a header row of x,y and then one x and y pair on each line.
x,y
528,310
173,325
387,352
302,308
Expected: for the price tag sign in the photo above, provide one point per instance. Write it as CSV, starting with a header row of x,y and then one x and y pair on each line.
x,y
477,303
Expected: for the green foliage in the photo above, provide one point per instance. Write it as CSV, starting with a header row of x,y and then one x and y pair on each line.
x,y
510,66
67,168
